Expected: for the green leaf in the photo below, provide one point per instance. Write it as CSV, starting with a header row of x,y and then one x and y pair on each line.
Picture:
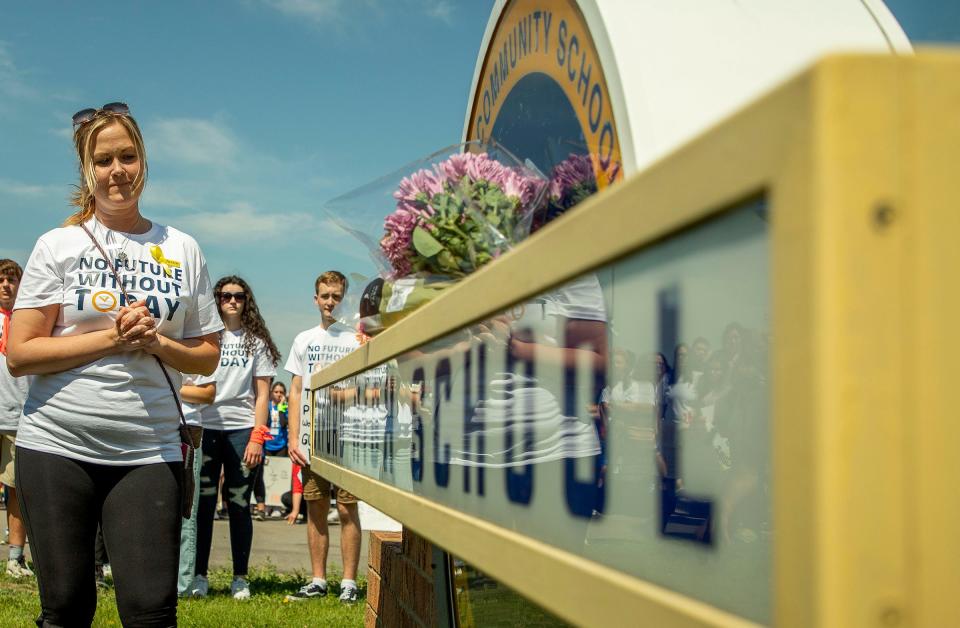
x,y
425,243
472,253
439,204
448,262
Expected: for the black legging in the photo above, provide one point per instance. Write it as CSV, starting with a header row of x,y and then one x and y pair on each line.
x,y
259,488
63,500
224,448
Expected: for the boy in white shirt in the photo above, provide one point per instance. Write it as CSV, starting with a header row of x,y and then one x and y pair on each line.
x,y
13,393
312,350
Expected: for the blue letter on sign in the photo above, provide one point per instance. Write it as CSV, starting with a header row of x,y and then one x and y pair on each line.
x,y
472,420
584,499
416,447
441,464
681,516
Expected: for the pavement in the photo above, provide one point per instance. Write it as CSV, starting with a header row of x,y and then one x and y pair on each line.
x,y
274,541
283,545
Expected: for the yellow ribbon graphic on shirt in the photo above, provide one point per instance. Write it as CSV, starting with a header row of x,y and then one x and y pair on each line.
x,y
167,264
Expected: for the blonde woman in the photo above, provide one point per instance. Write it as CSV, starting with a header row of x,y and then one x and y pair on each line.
x,y
110,306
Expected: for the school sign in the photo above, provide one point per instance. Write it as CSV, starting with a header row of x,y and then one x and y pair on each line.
x,y
656,411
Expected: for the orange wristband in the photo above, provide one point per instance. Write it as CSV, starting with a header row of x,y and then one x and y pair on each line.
x,y
260,434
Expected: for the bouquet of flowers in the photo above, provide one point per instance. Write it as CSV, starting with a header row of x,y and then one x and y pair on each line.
x,y
571,181
461,214
448,215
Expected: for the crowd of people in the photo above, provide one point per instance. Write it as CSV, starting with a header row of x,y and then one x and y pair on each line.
x,y
134,390
712,400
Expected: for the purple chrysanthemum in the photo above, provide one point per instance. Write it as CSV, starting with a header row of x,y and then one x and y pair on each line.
x,y
415,193
399,228
421,181
573,171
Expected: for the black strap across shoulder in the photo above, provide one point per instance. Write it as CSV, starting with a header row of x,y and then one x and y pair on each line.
x,y
123,290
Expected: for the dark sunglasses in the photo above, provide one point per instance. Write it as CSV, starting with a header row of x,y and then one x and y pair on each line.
x,y
111,108
225,297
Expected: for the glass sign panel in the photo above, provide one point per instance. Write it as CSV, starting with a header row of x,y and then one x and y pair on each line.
x,y
623,416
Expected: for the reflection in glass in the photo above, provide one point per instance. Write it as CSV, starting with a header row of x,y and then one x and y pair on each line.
x,y
482,602
537,122
622,417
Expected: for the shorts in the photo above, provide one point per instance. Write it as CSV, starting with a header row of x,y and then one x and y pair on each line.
x,y
7,447
315,488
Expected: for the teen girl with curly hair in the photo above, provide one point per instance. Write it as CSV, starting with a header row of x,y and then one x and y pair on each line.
x,y
233,428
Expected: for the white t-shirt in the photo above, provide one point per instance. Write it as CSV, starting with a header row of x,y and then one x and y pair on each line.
x,y
119,409
313,350
191,411
13,392
580,298
626,392
232,409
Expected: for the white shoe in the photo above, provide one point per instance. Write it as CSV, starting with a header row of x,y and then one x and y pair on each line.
x,y
333,517
240,588
18,569
199,587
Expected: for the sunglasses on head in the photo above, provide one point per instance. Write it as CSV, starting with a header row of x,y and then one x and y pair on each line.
x,y
226,297
111,108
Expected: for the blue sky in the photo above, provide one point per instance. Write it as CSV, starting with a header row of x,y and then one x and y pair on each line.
x,y
254,113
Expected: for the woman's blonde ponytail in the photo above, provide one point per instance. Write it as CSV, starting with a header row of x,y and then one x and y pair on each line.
x,y
83,199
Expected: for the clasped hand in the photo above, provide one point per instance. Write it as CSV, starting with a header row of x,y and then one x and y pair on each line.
x,y
136,327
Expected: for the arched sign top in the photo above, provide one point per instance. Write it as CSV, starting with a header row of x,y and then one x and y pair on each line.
x,y
642,77
542,70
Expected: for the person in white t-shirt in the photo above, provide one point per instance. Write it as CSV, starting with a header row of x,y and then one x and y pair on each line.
x,y
277,416
112,308
312,350
234,428
13,392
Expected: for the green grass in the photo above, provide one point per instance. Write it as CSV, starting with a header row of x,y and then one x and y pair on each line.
x,y
494,605
502,608
20,604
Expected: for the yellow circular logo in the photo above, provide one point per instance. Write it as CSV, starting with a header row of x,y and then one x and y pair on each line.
x,y
104,301
541,53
